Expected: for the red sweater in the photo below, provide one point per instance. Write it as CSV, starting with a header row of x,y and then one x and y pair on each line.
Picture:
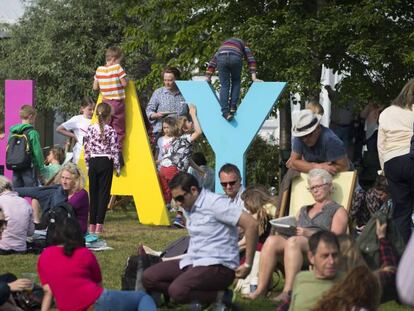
x,y
73,280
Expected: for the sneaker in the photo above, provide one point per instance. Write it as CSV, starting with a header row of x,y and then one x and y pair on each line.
x,y
228,116
233,110
179,222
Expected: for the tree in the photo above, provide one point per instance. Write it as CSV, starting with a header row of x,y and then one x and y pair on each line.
x,y
59,44
370,40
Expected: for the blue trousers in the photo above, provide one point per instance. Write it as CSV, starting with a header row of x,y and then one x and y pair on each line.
x,y
230,67
117,300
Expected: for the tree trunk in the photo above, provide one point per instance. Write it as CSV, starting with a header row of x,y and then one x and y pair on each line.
x,y
285,137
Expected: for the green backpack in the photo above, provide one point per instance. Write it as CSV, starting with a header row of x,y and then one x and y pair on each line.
x,y
368,242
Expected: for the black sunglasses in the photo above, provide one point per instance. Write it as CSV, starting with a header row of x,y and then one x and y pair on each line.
x,y
180,198
231,183
3,222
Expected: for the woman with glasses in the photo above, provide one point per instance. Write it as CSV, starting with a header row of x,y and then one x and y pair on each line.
x,y
324,214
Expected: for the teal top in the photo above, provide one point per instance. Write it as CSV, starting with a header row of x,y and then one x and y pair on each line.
x,y
50,171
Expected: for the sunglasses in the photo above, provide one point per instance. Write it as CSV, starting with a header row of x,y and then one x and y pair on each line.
x,y
229,183
3,222
180,198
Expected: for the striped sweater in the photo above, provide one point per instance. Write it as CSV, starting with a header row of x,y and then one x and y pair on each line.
x,y
109,79
235,46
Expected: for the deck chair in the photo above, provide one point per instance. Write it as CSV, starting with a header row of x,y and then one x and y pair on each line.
x,y
344,185
298,196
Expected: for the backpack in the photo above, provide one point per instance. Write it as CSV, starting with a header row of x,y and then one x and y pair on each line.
x,y
18,153
368,242
54,216
135,266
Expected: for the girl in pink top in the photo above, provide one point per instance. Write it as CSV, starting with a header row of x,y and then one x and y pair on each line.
x,y
102,158
70,272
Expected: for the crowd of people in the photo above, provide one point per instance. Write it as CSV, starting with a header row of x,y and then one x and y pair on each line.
x,y
231,236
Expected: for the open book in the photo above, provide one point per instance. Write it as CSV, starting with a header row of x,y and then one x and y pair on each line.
x,y
167,113
284,225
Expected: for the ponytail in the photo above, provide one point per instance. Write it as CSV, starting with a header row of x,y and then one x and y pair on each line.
x,y
104,112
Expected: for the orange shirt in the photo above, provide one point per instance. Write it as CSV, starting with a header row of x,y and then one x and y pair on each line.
x,y
109,80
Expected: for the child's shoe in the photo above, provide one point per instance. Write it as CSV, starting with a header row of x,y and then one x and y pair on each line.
x,y
228,116
179,222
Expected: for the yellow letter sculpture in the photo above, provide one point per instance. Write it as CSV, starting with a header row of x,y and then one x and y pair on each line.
x,y
138,176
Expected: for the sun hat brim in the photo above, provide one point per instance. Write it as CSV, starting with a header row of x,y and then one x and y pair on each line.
x,y
307,129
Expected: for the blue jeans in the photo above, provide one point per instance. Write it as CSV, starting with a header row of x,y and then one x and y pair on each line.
x,y
230,67
24,178
114,300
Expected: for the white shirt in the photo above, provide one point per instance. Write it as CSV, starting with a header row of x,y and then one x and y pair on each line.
x,y
212,226
394,133
163,144
79,126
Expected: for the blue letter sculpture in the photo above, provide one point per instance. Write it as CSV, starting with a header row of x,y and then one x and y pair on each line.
x,y
230,140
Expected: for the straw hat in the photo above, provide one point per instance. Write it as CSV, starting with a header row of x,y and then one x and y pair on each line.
x,y
305,123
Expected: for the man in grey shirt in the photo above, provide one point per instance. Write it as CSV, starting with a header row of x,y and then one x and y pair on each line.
x,y
212,260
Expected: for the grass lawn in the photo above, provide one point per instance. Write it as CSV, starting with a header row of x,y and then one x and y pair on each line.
x,y
124,233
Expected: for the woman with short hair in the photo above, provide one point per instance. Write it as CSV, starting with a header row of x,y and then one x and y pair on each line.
x,y
324,214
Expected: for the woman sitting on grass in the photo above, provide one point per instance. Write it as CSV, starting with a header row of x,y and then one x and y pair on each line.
x,y
324,214
71,190
70,272
261,205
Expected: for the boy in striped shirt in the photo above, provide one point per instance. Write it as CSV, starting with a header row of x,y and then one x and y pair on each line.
x,y
111,80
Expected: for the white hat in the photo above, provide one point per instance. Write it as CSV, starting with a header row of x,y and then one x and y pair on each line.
x,y
305,123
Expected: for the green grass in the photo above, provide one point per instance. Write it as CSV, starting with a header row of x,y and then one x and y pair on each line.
x,y
124,234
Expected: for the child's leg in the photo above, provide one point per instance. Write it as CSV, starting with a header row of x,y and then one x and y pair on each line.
x,y
166,174
29,178
118,119
93,190
235,66
224,76
36,211
17,180
104,182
